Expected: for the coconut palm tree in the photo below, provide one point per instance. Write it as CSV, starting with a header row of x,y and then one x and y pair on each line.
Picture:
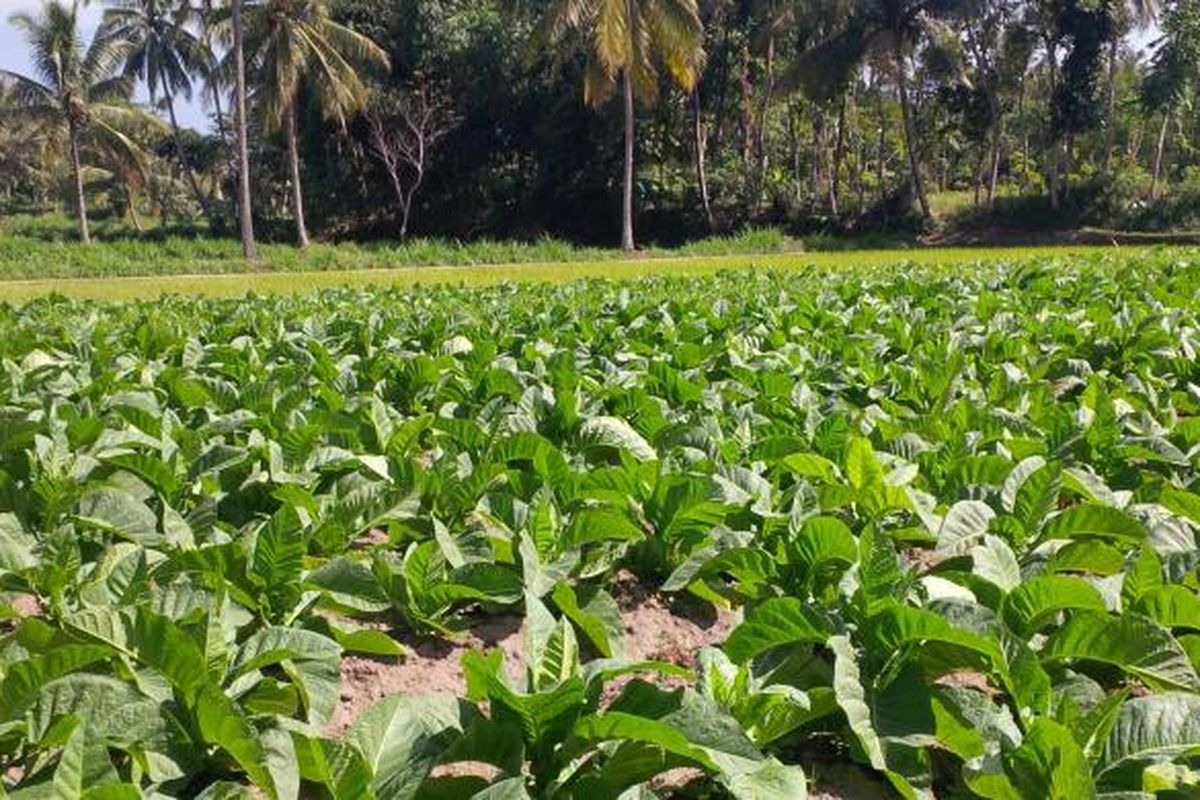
x,y
241,130
626,42
294,49
165,53
75,90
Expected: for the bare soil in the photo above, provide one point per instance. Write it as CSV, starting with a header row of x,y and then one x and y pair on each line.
x,y
657,627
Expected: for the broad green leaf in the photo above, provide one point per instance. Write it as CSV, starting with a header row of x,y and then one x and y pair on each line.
x,y
1135,644
1172,606
1089,520
598,617
863,469
776,622
617,433
1049,764
402,737
1150,728
964,526
1031,605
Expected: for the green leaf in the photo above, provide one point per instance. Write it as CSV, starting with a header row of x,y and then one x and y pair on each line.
x,y
507,789
278,559
863,469
1031,491
1185,504
120,514
907,771
897,626
350,584
598,617
24,679
775,622
1172,606
16,546
965,525
822,541
620,726
1152,728
1145,573
223,725
1049,764
1089,556
768,780
152,639
811,465
337,765
543,717
1135,644
616,433
1030,606
402,737
590,525
1088,520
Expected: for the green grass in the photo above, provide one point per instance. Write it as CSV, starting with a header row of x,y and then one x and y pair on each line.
x,y
120,289
39,247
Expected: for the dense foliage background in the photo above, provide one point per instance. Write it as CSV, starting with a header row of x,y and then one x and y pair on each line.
x,y
1022,114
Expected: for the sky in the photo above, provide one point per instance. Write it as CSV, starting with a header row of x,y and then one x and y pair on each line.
x,y
14,56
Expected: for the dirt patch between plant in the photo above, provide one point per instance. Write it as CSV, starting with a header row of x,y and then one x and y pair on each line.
x,y
658,627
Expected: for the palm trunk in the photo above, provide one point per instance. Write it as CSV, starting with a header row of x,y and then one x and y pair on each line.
x,y
293,154
243,150
627,196
1110,128
1055,146
1158,156
187,171
77,174
910,136
701,145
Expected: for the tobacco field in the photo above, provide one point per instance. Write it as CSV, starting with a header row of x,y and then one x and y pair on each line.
x,y
950,515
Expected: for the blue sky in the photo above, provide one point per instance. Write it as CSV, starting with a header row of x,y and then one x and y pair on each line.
x,y
14,55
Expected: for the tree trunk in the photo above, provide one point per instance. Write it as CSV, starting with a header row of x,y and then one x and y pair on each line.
x,y
994,178
133,215
249,250
910,135
293,155
1055,144
187,171
818,147
881,153
839,155
794,154
77,174
627,194
1158,156
761,139
701,144
1110,126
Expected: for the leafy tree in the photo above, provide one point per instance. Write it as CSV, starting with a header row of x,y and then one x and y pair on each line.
x,y
625,40
1174,73
893,27
296,48
75,89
